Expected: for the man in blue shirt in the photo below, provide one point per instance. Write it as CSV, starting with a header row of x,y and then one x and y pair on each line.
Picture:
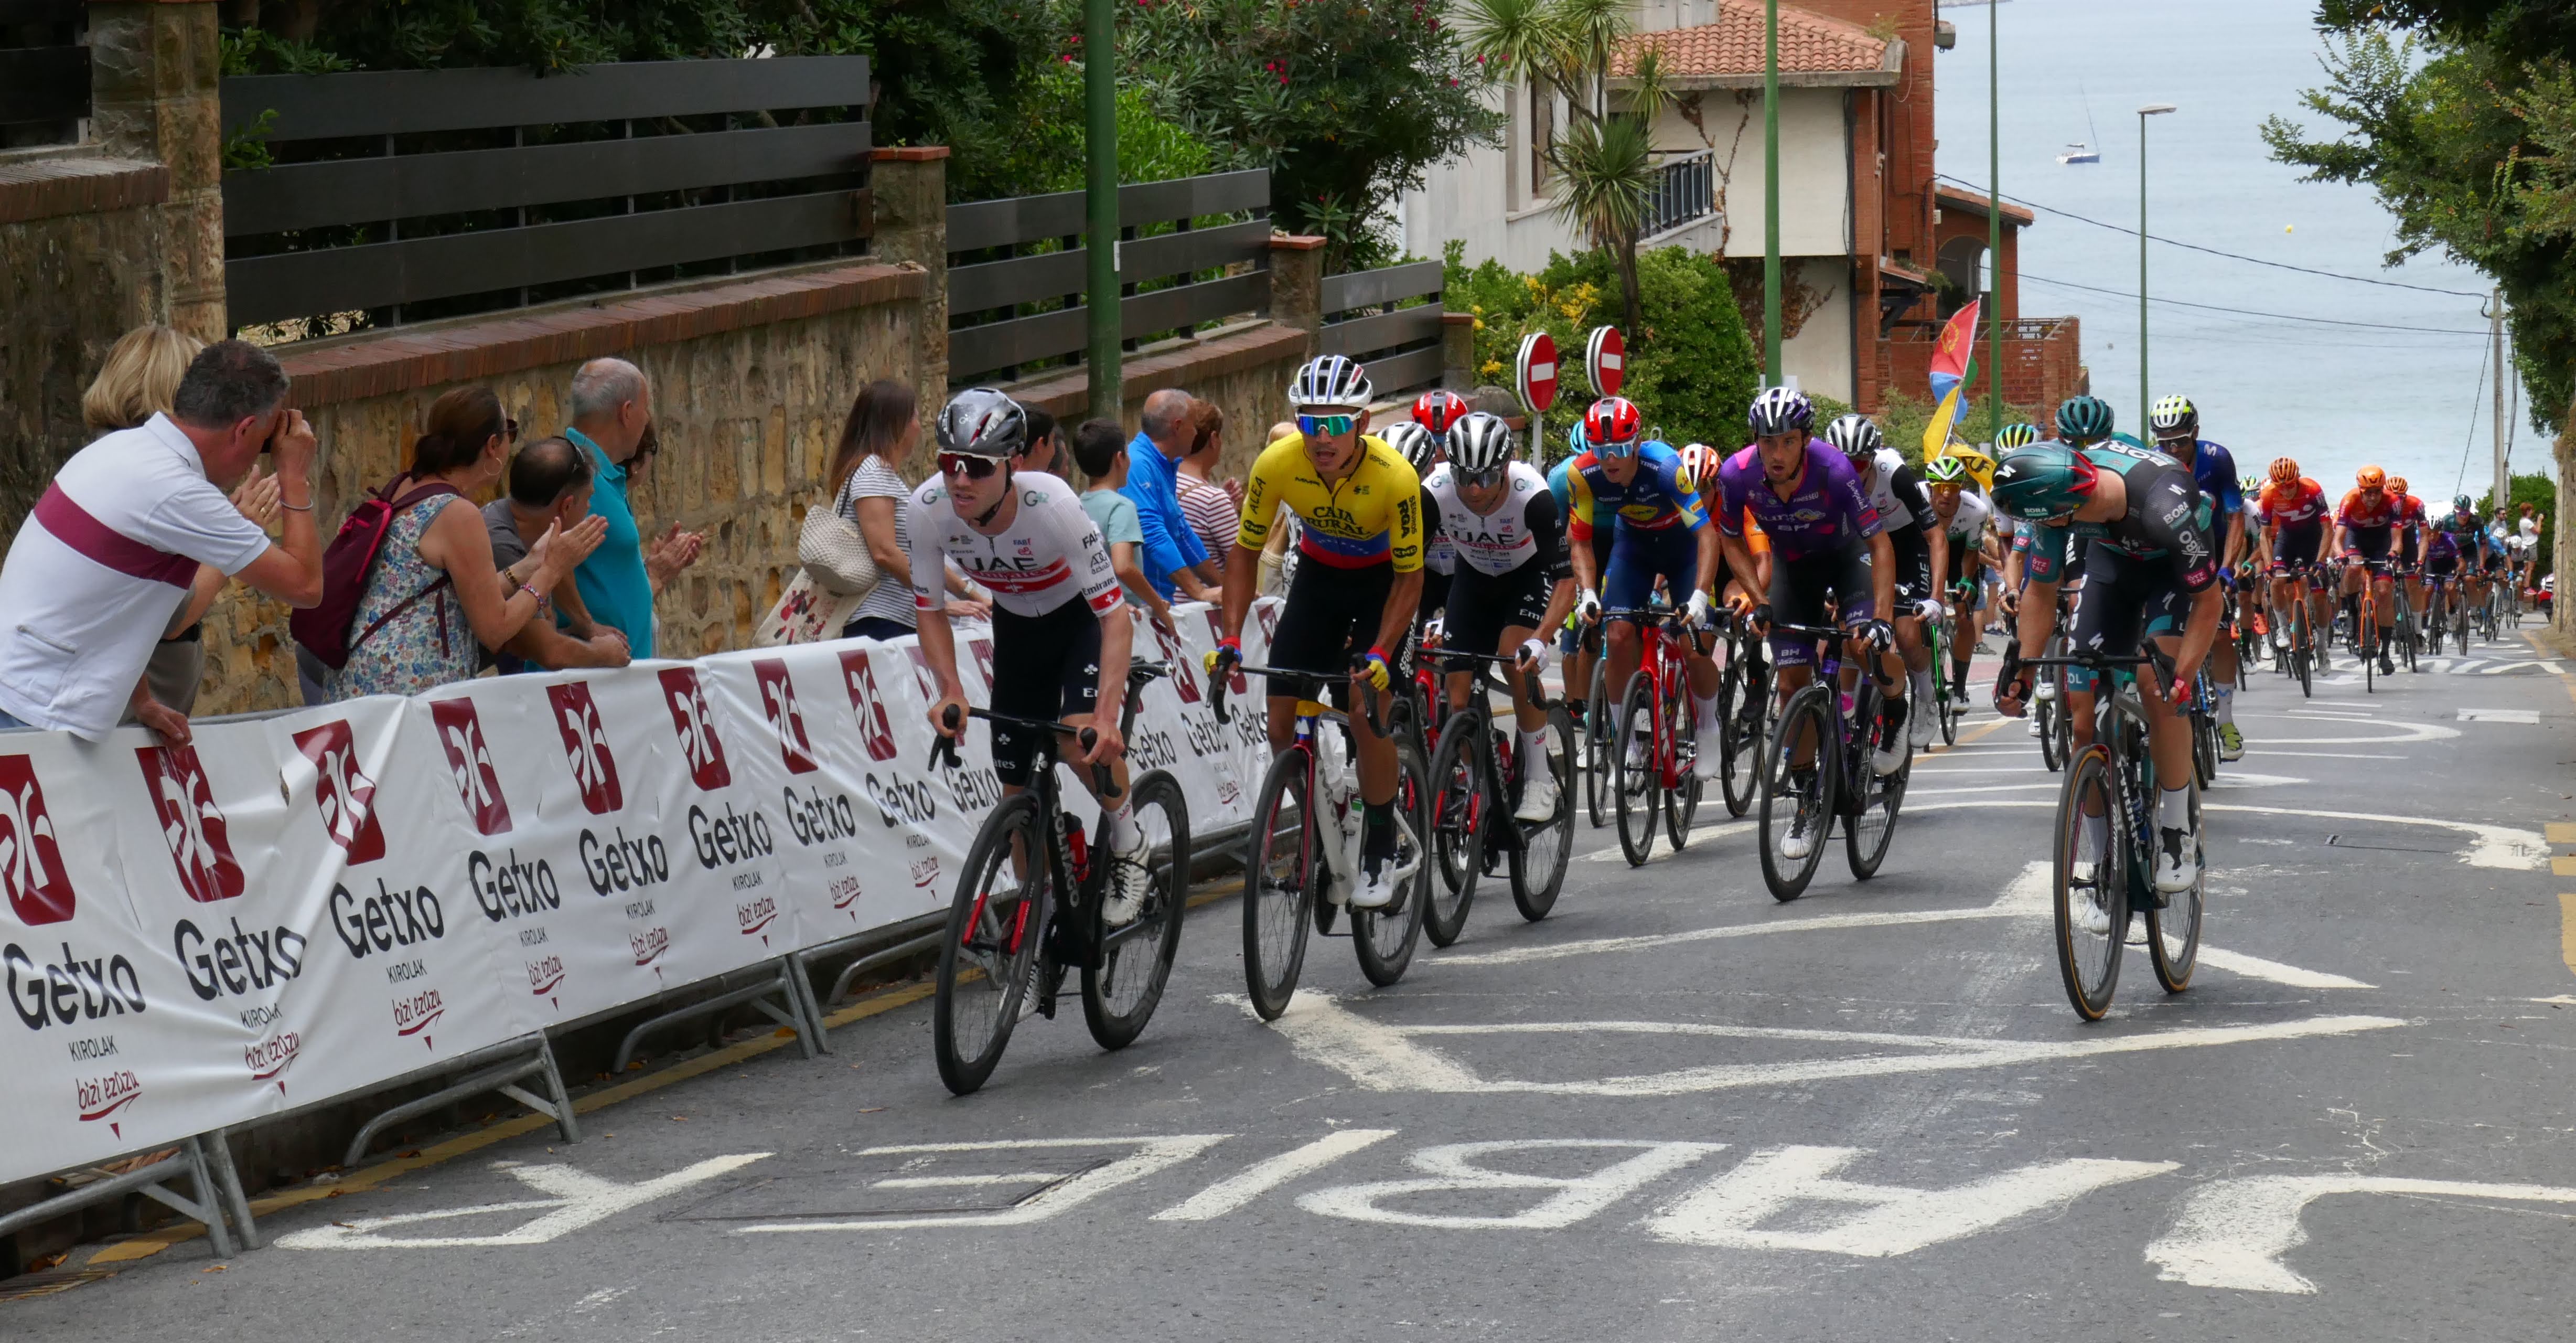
x,y
1173,556
2176,424
612,420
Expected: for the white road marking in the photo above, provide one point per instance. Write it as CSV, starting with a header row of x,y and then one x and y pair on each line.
x,y
1729,1211
2525,717
2232,1233
1323,1032
576,1200
2495,846
1151,1155
2329,755
1261,1177
2255,967
1451,1169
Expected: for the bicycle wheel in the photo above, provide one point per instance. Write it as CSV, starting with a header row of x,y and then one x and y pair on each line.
x,y
1868,831
1740,707
1681,800
1384,938
2369,654
1791,796
1460,808
2204,748
2173,932
2091,887
1951,707
2303,652
1596,746
1120,993
994,928
1538,865
1633,772
1282,869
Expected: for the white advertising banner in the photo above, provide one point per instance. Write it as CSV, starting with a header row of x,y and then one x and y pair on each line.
x,y
312,904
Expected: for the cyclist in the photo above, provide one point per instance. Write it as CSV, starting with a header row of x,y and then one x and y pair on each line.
x,y
1703,462
1922,551
1358,585
1962,514
1512,580
1060,634
2176,424
2365,524
2293,510
1638,486
1421,449
2442,562
2413,526
2476,544
1581,661
2153,570
1438,411
1825,541
2080,421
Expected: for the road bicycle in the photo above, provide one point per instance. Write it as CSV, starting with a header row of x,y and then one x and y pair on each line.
x,y
1476,779
1947,708
2438,601
1596,730
2048,707
2204,728
1028,908
2297,656
2240,625
1743,710
2104,869
1302,856
2365,632
1836,732
1652,754
2406,637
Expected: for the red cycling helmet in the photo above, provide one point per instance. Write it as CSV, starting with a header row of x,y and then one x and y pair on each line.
x,y
1438,410
1613,420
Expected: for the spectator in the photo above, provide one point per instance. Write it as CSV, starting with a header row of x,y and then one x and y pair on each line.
x,y
138,381
884,423
1097,449
1044,450
1174,559
1214,510
550,484
612,419
434,590
107,557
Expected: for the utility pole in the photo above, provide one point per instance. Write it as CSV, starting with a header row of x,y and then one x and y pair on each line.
x,y
1771,374
1994,228
2495,332
1100,199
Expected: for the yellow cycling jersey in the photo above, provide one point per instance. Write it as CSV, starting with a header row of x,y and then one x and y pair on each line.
x,y
1371,516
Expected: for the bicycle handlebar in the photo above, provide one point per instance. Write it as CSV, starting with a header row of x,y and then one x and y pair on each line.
x,y
1217,682
944,747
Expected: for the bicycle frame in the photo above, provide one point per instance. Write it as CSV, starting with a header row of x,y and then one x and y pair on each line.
x,y
1666,671
1331,767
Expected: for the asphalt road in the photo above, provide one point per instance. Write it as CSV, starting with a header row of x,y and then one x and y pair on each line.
x,y
1673,1110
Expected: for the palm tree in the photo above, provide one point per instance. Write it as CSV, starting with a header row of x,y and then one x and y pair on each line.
x,y
1605,175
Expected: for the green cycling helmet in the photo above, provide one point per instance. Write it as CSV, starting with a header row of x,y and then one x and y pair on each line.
x,y
2043,481
2013,436
2084,419
1945,471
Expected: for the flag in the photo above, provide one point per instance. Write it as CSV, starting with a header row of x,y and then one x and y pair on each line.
x,y
1954,356
1936,434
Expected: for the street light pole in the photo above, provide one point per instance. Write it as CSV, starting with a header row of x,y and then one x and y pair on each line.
x,y
2150,110
1771,374
1100,199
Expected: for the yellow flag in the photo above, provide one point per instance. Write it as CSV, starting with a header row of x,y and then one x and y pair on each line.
x,y
1936,435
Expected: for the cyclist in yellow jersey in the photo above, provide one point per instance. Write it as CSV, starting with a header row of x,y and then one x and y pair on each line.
x,y
1357,587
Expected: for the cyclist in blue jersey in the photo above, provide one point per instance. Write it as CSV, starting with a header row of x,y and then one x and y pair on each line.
x,y
1639,487
1580,660
2176,423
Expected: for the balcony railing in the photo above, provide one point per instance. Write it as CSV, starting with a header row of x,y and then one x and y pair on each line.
x,y
1685,192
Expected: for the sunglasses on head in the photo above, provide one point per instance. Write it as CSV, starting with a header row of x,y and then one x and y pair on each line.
x,y
1326,426
973,468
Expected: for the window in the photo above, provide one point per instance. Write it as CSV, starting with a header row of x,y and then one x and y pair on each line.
x,y
1542,132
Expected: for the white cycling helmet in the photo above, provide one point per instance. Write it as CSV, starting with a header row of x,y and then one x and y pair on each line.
x,y
1413,441
1334,380
1479,443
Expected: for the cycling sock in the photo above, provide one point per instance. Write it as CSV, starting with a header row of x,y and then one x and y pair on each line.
x,y
1534,745
1377,831
2227,704
2173,808
1922,679
1707,708
1122,825
2097,833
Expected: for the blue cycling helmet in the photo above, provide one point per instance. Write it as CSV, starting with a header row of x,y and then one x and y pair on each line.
x,y
2084,419
2043,481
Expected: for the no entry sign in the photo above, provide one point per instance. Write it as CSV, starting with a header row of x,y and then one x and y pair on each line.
x,y
1536,371
1605,358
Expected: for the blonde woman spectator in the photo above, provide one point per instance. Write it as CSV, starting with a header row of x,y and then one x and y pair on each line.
x,y
435,592
1213,508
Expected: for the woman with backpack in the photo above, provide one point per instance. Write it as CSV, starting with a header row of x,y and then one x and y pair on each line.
x,y
432,594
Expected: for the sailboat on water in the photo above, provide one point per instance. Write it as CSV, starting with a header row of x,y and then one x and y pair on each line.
x,y
2082,151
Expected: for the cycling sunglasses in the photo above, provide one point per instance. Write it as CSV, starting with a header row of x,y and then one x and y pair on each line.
x,y
1326,426
1627,449
973,468
1478,480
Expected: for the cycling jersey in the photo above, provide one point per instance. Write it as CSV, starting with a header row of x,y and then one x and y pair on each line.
x,y
1898,494
2300,505
2361,512
1967,524
1371,516
1049,555
2166,524
1524,526
2213,468
1439,553
1827,510
1660,495
2441,543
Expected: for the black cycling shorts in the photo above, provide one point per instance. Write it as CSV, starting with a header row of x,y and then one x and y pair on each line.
x,y
1045,666
2493,563
2298,544
2406,546
1330,614
1798,590
1913,566
1482,605
2443,567
2372,542
2123,598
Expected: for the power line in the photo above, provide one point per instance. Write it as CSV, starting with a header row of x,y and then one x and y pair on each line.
x,y
2232,256
2249,312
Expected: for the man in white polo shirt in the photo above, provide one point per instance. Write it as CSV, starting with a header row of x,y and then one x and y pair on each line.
x,y
104,561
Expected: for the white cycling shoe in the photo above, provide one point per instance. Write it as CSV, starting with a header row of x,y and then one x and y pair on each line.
x,y
1797,843
1129,883
1918,730
1538,796
1381,881
2177,860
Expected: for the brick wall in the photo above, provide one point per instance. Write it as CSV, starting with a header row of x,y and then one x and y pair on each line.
x,y
2043,365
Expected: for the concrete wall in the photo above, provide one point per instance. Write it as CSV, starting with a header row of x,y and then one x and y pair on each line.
x,y
1486,199
1820,355
1815,163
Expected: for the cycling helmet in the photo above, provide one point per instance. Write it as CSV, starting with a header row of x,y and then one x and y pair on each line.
x,y
1781,410
2284,471
2174,417
2461,503
2397,484
1334,380
981,422
2084,419
1855,437
1480,442
1700,462
1945,471
1574,442
1437,410
1614,420
2370,478
1416,443
2043,481
2013,436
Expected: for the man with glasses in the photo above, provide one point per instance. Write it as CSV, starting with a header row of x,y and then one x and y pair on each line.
x,y
1639,486
1357,587
612,419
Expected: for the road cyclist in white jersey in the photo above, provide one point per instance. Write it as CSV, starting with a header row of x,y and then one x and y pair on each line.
x,y
1061,637
1511,580
1921,550
1961,515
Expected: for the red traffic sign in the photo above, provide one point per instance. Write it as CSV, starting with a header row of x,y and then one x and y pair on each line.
x,y
1605,358
1536,371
